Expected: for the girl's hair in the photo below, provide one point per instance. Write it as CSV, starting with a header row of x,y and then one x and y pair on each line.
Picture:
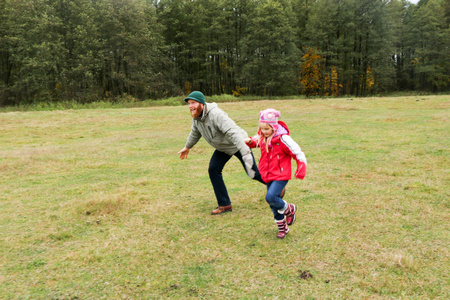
x,y
261,137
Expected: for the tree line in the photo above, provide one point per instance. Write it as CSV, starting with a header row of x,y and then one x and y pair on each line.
x,y
85,50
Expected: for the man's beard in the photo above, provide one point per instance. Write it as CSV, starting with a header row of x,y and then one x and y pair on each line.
x,y
197,112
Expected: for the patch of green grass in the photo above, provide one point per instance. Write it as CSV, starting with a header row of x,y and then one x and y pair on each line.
x,y
121,102
96,204
127,101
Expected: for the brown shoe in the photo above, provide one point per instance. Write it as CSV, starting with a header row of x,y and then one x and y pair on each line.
x,y
221,209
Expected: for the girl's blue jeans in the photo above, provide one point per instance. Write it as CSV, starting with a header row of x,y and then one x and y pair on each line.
x,y
274,189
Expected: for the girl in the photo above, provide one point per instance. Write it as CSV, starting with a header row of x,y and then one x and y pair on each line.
x,y
277,149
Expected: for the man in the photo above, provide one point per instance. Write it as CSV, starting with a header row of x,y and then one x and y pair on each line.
x,y
214,125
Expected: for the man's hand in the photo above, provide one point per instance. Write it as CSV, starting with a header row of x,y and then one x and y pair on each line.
x,y
184,153
248,162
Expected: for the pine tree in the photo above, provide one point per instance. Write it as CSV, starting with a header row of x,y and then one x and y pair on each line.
x,y
269,50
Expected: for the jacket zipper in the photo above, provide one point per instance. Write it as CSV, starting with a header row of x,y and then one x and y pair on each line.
x,y
268,162
279,164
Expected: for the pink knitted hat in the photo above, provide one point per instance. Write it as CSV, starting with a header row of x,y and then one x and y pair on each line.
x,y
270,116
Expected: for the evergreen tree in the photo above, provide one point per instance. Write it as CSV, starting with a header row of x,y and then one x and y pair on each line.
x,y
430,41
52,50
172,14
6,44
399,14
270,53
354,38
133,60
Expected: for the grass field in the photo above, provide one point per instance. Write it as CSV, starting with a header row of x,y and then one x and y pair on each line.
x,y
96,204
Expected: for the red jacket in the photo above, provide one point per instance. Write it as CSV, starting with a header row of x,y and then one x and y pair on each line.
x,y
276,164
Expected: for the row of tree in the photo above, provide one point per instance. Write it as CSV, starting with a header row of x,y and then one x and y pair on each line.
x,y
89,49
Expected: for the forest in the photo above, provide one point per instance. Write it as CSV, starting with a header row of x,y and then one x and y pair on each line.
x,y
85,50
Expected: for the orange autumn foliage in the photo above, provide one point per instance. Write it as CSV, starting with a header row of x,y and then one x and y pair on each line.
x,y
313,79
311,72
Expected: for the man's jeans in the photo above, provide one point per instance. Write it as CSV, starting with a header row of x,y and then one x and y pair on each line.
x,y
216,165
274,189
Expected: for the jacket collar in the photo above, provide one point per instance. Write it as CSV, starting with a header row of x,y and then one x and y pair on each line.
x,y
206,109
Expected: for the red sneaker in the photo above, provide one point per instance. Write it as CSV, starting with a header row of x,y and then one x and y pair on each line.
x,y
290,214
282,229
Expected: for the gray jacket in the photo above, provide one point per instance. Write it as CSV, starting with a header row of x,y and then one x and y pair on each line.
x,y
218,130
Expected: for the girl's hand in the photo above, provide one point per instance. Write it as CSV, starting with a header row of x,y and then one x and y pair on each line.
x,y
248,140
301,170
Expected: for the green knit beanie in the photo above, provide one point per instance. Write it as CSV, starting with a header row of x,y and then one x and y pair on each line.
x,y
197,96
